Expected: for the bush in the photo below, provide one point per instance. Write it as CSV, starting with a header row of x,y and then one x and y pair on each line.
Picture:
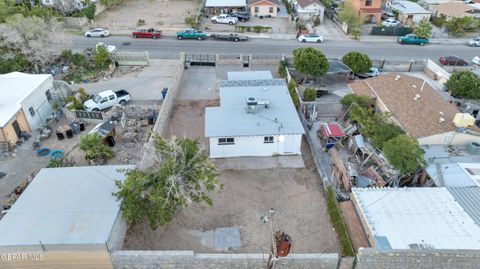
x,y
193,21
309,94
439,21
60,162
281,68
458,26
94,148
317,21
361,100
404,153
358,62
293,93
338,223
464,84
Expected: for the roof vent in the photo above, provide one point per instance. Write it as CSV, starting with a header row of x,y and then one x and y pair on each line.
x,y
417,96
397,77
441,120
265,103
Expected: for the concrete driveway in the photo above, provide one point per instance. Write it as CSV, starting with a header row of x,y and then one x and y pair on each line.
x,y
144,85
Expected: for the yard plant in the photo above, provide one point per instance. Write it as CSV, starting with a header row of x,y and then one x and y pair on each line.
x,y
94,148
464,84
182,175
423,29
310,61
404,153
309,94
358,62
293,92
338,223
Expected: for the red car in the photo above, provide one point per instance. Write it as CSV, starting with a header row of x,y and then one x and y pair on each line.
x,y
452,60
147,33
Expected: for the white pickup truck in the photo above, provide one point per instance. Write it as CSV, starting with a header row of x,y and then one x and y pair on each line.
x,y
106,99
224,18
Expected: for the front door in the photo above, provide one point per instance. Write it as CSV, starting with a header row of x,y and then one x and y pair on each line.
x,y
16,127
289,145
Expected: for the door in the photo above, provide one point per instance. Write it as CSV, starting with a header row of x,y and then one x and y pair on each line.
x,y
104,104
289,144
16,127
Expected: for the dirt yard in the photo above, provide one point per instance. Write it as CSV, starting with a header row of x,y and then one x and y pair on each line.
x,y
295,194
161,14
354,227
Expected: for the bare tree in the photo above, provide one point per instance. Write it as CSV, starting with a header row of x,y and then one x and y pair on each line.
x,y
36,38
66,7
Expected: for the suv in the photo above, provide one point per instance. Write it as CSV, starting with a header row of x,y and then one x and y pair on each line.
x,y
243,16
224,18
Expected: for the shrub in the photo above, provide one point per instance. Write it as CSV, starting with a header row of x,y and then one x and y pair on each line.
x,y
293,93
464,84
281,68
338,223
60,162
317,21
358,62
309,94
361,100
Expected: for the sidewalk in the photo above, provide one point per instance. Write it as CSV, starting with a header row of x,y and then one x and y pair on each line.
x,y
371,38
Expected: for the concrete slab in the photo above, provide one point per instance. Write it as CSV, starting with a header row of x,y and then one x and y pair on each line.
x,y
227,238
259,162
198,83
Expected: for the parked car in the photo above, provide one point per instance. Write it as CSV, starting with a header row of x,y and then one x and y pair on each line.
x,y
372,72
412,39
97,32
469,1
476,60
106,99
387,15
474,42
225,18
229,37
147,33
391,22
191,34
243,16
452,60
311,38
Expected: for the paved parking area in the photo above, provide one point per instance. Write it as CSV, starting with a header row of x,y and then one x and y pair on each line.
x,y
145,85
198,83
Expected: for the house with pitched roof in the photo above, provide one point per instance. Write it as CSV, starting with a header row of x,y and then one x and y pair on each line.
x,y
263,8
308,9
371,9
256,117
419,110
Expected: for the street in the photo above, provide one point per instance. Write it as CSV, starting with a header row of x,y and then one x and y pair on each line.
x,y
169,47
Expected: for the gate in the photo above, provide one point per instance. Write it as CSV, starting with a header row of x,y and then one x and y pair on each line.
x,y
201,59
391,31
246,61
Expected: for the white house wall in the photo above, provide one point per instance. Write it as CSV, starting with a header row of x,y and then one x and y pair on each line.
x,y
254,146
38,100
449,138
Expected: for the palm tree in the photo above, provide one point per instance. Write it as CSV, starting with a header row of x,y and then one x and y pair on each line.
x,y
94,148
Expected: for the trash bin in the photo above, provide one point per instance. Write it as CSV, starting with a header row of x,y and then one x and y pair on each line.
x,y
69,133
82,126
187,64
75,127
164,93
111,141
60,135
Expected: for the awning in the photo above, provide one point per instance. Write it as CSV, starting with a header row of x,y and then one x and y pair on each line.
x,y
331,130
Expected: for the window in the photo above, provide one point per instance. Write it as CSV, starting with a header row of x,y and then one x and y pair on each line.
x,y
256,9
104,99
368,3
49,96
270,9
32,111
226,141
111,97
268,139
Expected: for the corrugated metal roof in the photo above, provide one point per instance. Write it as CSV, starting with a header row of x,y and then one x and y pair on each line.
x,y
226,3
417,218
469,199
72,205
232,119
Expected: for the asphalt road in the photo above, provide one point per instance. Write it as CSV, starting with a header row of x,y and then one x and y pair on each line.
x,y
170,47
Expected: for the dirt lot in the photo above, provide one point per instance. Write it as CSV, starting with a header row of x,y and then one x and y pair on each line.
x,y
296,194
162,14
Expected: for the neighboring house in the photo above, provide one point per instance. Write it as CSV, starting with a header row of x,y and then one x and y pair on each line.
x,y
419,110
69,208
79,4
263,8
409,12
419,218
455,9
256,117
371,9
307,9
25,103
225,6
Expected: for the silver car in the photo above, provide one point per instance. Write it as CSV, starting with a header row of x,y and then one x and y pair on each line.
x,y
97,32
474,42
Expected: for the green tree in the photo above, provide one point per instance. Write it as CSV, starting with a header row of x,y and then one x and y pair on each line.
x,y
383,132
404,153
293,92
440,20
182,175
458,26
353,20
94,148
102,57
361,100
464,84
423,29
317,21
309,94
358,62
310,61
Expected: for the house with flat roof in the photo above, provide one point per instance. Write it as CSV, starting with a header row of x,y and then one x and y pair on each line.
x,y
418,109
410,12
25,103
256,117
225,6
371,9
70,208
419,218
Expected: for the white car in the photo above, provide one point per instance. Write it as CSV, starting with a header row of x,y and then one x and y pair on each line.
x,y
476,60
311,38
372,72
390,23
97,32
474,42
225,18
